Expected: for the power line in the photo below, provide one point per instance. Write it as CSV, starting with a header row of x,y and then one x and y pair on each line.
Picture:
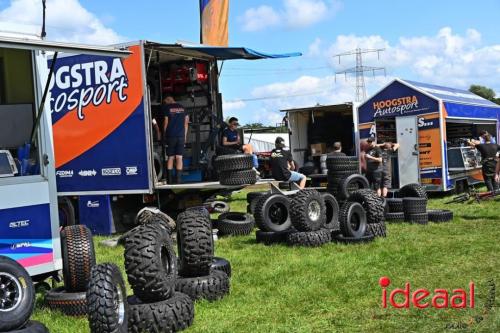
x,y
277,69
278,96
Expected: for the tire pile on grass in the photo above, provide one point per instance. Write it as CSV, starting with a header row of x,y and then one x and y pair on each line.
x,y
343,176
17,299
410,205
236,169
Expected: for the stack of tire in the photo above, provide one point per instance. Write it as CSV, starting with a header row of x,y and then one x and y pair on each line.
x,y
17,299
151,266
410,205
236,169
78,256
343,176
306,218
201,276
361,217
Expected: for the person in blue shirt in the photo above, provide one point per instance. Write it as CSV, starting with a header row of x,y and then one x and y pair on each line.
x,y
231,138
175,128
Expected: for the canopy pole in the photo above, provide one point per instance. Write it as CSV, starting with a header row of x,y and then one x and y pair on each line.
x,y
220,70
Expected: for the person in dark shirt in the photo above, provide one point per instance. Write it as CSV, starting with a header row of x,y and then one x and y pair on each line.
x,y
337,150
175,127
387,150
231,138
374,166
489,152
281,163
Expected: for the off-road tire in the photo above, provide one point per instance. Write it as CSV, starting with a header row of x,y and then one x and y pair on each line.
x,y
272,212
300,206
351,184
352,240
372,203
394,217
69,303
352,218
66,209
107,305
413,191
376,229
251,196
221,150
172,315
218,206
78,256
235,178
221,264
235,162
414,205
440,215
17,306
309,238
195,244
338,163
210,287
395,205
272,237
150,262
422,218
32,327
331,212
235,224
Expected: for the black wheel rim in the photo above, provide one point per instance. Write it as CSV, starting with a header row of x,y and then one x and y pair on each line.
x,y
278,213
11,292
355,221
329,211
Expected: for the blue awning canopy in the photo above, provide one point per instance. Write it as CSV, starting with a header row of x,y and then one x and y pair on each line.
x,y
215,53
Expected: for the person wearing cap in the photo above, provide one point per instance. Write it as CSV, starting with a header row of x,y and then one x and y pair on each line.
x,y
282,163
374,166
231,138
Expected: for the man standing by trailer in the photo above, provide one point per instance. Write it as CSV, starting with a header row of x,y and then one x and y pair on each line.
x,y
374,165
489,153
175,127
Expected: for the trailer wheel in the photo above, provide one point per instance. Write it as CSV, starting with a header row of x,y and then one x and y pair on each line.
x,y
32,327
331,212
413,191
171,315
236,224
376,229
372,203
17,295
272,212
195,244
66,212
78,256
236,162
352,218
309,238
221,264
150,262
69,303
211,287
234,178
307,210
106,300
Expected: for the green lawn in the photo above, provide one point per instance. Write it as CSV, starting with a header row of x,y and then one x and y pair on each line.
x,y
335,288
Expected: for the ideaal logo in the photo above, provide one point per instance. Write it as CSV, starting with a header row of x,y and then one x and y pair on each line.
x,y
84,83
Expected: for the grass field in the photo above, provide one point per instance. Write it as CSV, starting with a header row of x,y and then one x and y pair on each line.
x,y
335,288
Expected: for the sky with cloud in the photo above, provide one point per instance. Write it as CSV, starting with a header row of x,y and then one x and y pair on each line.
x,y
448,42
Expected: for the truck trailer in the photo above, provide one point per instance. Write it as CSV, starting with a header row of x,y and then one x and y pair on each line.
x,y
431,123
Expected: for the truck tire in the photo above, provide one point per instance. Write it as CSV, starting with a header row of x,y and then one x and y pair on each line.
x,y
353,220
195,244
107,300
307,210
66,210
373,205
150,262
272,237
32,327
331,212
218,207
339,163
272,213
351,184
211,287
376,229
395,205
78,256
309,238
235,224
172,315
422,218
236,162
394,217
414,205
221,264
440,215
17,295
413,191
352,240
234,178
69,303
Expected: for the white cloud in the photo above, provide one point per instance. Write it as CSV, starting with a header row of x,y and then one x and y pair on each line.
x,y
292,14
233,105
314,49
67,20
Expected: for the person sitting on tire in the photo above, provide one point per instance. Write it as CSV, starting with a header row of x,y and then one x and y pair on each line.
x,y
175,128
231,139
374,166
281,163
387,150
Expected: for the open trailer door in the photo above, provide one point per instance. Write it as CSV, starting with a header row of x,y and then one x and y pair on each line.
x,y
408,159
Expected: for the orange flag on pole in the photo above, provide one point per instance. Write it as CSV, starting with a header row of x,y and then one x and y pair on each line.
x,y
214,16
